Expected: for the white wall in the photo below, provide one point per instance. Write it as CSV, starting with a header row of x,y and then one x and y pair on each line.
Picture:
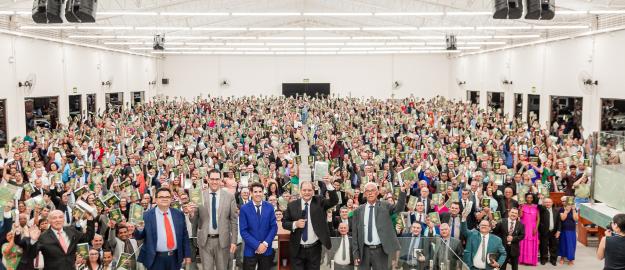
x,y
553,69
59,68
368,75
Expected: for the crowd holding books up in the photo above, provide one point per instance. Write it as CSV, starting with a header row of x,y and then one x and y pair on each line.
x,y
129,189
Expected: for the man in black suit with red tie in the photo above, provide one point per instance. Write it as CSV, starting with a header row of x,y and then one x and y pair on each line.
x,y
58,244
549,232
511,231
307,220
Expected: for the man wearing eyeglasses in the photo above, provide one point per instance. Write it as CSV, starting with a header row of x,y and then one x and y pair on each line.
x,y
164,234
483,251
218,224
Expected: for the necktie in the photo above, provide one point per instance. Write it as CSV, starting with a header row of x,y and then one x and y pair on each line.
x,y
62,241
453,226
484,248
67,216
419,218
214,210
304,216
344,248
258,210
370,225
511,228
169,232
411,249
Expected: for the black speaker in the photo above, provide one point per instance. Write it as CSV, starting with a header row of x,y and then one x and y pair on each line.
x,y
81,10
501,9
39,11
533,10
548,9
53,11
165,81
516,9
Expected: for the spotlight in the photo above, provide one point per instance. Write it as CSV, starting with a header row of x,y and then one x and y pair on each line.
x,y
451,42
508,9
47,11
80,11
540,9
159,42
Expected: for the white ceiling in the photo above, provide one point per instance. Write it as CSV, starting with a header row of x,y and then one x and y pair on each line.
x,y
425,30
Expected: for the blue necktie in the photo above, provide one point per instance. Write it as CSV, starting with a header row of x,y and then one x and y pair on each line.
x,y
370,225
453,226
304,216
258,210
214,210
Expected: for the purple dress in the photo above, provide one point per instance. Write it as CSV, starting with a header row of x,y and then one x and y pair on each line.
x,y
529,245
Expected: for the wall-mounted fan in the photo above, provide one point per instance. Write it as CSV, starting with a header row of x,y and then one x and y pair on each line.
x,y
397,84
224,83
586,83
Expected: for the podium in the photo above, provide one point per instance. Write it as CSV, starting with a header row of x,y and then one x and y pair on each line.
x,y
284,257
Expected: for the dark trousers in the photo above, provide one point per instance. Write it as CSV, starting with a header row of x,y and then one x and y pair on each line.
x,y
513,261
548,243
263,262
162,262
374,258
307,258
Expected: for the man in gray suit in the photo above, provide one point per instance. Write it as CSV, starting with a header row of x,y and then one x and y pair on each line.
x,y
217,226
444,249
373,234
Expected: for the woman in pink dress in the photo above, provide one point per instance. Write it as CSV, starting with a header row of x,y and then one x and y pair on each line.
x,y
529,245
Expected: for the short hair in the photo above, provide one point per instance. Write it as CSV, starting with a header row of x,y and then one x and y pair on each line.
x,y
163,189
304,182
371,184
619,220
256,184
213,171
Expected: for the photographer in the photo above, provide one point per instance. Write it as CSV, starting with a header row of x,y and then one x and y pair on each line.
x,y
611,245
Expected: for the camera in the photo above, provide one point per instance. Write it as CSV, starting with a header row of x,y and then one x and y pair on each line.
x,y
609,226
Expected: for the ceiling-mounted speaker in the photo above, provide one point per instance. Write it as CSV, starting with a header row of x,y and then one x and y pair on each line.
x,y
165,81
39,11
516,9
501,9
540,9
53,11
81,10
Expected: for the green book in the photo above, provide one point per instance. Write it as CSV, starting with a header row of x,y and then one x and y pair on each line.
x,y
136,213
496,216
195,196
80,191
485,202
116,215
111,199
435,218
83,250
412,203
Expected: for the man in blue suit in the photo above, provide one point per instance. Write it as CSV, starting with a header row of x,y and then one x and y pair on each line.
x,y
484,251
165,237
258,226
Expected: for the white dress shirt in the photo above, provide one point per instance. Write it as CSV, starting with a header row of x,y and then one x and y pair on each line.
x,y
312,237
477,259
338,257
550,219
375,237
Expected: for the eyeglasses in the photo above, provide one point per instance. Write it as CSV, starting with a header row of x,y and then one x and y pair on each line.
x,y
163,197
214,179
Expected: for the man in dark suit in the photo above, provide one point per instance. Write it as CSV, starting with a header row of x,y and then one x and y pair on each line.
x,y
343,217
425,198
306,219
549,232
511,231
164,234
58,243
466,200
444,247
453,219
373,234
411,241
506,202
258,227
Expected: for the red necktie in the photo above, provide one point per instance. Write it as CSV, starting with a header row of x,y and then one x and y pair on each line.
x,y
169,232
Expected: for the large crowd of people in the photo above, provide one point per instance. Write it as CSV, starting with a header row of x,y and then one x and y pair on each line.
x,y
174,182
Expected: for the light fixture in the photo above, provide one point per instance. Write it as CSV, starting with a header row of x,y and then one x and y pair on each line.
x,y
235,38
325,43
191,14
446,28
244,44
123,43
561,26
622,11
7,12
337,14
127,13
281,38
104,27
390,28
332,28
163,28
375,38
285,44
571,12
515,36
218,28
422,37
266,14
327,38
364,43
409,13
133,37
47,27
468,13
90,36
503,27
204,43
276,29
473,37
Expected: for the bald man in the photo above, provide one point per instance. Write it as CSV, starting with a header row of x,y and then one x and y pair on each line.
x,y
58,243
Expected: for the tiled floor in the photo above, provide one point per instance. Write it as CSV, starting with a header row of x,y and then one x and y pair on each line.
x,y
585,259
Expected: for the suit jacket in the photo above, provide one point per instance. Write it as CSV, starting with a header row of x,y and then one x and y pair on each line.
x,y
471,220
543,226
29,253
429,207
451,253
227,224
149,235
425,244
501,200
474,239
384,226
255,230
335,226
117,245
317,207
50,247
503,230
